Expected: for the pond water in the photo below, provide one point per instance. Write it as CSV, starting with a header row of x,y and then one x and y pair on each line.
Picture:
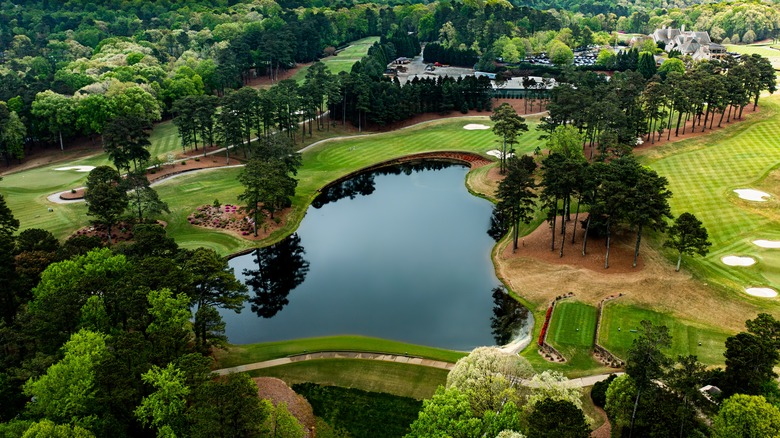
x,y
401,253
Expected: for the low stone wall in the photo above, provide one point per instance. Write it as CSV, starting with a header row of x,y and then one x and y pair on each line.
x,y
601,354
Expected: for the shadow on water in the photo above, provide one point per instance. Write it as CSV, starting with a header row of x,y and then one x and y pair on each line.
x,y
410,262
280,268
510,318
363,184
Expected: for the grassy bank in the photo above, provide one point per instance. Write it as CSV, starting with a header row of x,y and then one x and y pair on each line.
x,y
250,353
393,378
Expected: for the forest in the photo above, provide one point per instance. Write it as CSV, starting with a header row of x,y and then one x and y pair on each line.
x,y
117,339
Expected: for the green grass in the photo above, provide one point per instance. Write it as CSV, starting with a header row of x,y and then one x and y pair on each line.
x,y
165,139
702,174
251,353
686,336
572,324
413,381
344,60
765,50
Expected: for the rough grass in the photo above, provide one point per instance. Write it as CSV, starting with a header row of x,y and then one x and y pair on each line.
x,y
251,353
704,171
344,60
413,381
687,338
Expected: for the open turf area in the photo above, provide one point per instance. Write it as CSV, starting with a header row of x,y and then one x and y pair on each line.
x,y
573,324
250,353
393,378
344,60
26,192
620,322
704,171
765,50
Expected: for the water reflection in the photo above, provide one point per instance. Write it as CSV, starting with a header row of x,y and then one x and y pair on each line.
x,y
280,269
411,263
509,317
363,184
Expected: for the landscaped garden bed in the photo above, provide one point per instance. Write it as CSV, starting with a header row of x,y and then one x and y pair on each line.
x,y
236,220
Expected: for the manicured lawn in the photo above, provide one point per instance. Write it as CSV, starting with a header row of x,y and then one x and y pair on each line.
x,y
165,139
702,174
573,324
344,60
685,336
251,353
393,378
764,50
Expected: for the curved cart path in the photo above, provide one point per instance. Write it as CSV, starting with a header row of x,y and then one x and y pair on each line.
x,y
385,357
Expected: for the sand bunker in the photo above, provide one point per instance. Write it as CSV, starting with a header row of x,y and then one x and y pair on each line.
x,y
77,168
496,153
752,195
763,292
475,127
738,261
767,243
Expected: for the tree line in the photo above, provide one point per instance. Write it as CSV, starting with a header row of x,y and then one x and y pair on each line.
x,y
646,103
100,341
661,396
617,191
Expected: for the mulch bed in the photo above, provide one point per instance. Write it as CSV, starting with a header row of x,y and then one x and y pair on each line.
x,y
73,194
237,220
120,232
277,391
536,245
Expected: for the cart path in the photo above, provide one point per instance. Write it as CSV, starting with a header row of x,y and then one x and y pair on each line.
x,y
384,357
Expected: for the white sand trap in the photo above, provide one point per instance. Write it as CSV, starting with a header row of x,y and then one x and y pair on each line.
x,y
738,261
767,243
763,292
496,153
475,127
752,195
77,168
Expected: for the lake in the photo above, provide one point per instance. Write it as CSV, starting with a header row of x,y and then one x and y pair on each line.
x,y
401,253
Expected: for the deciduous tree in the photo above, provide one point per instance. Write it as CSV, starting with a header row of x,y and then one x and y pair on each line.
x,y
105,196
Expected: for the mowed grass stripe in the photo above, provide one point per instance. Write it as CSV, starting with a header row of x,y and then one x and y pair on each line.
x,y
620,322
344,60
573,323
393,378
702,174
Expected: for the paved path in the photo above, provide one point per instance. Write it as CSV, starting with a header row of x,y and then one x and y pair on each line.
x,y
384,357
